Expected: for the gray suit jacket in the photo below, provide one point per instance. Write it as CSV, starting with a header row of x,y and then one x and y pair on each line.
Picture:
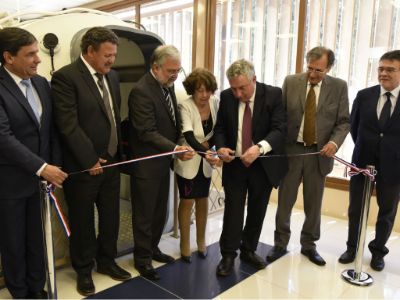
x,y
332,113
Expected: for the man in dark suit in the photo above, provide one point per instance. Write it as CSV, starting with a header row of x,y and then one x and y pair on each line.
x,y
156,127
28,147
375,129
317,107
86,103
251,121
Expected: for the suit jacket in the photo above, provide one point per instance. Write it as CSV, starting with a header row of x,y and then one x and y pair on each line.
x,y
374,146
24,144
191,121
81,116
332,113
268,123
152,130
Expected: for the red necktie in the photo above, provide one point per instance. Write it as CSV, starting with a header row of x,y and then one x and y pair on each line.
x,y
246,129
310,113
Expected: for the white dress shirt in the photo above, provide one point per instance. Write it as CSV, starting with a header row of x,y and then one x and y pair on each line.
x,y
382,99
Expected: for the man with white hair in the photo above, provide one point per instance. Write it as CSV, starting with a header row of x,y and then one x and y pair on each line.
x,y
155,128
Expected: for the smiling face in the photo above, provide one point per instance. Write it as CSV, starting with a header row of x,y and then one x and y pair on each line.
x,y
103,58
389,74
24,63
167,72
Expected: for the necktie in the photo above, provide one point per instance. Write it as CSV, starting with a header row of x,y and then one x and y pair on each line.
x,y
310,113
31,98
385,113
113,142
246,128
168,99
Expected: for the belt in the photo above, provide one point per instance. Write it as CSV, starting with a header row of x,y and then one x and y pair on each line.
x,y
304,144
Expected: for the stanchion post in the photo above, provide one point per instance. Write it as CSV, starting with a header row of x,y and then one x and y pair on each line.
x,y
356,276
48,241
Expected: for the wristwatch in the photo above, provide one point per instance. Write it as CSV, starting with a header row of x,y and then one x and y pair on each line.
x,y
260,148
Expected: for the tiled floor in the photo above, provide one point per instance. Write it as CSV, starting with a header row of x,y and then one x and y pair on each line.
x,y
292,276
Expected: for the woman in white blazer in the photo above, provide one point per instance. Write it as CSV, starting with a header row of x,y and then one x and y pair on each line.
x,y
198,114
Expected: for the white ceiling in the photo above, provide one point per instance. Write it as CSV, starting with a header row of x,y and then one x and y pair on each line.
x,y
13,6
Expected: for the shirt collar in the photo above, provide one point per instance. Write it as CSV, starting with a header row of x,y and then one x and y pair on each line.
x,y
90,68
395,92
15,77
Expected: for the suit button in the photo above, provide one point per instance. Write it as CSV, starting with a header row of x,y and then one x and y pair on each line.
x,y
381,135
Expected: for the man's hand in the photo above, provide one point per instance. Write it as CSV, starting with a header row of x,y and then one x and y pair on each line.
x,y
205,144
328,150
54,175
185,155
250,155
97,169
226,154
212,159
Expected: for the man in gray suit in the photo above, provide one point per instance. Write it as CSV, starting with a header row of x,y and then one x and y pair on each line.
x,y
317,109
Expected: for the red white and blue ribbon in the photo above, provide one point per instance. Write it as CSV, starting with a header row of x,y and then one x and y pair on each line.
x,y
50,191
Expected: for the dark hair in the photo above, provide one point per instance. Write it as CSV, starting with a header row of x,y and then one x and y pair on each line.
x,y
198,78
12,39
96,36
317,52
391,55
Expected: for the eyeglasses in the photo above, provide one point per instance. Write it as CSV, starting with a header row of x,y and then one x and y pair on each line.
x,y
387,70
316,71
172,71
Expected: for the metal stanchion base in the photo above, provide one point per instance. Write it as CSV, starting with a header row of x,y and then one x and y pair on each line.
x,y
363,279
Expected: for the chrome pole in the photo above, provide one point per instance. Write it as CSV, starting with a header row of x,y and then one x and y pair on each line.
x,y
48,241
356,276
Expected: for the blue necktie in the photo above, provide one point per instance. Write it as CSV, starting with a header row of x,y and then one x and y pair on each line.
x,y
31,98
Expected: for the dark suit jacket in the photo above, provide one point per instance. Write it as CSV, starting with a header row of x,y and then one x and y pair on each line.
x,y
153,130
81,116
268,123
373,145
24,145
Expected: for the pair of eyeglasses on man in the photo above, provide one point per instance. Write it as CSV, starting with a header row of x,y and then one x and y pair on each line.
x,y
173,71
316,71
387,70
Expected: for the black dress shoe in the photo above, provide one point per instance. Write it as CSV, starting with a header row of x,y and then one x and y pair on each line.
x,y
162,257
147,271
186,259
275,253
225,266
347,257
253,259
114,271
377,263
38,295
202,254
84,284
314,257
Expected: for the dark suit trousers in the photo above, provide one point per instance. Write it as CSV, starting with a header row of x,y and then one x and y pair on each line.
x,y
82,192
387,196
149,206
237,183
21,245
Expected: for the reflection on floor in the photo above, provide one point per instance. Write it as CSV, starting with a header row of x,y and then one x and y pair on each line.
x,y
292,276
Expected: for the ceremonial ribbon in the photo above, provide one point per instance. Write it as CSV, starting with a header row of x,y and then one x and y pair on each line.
x,y
50,192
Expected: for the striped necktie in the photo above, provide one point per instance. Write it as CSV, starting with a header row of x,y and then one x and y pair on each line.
x,y
168,99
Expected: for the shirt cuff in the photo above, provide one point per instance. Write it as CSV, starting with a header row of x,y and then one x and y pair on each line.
x,y
332,142
39,172
266,147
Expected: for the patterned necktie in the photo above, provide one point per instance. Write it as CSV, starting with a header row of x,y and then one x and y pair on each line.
x,y
310,114
385,113
113,142
246,128
168,99
31,98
